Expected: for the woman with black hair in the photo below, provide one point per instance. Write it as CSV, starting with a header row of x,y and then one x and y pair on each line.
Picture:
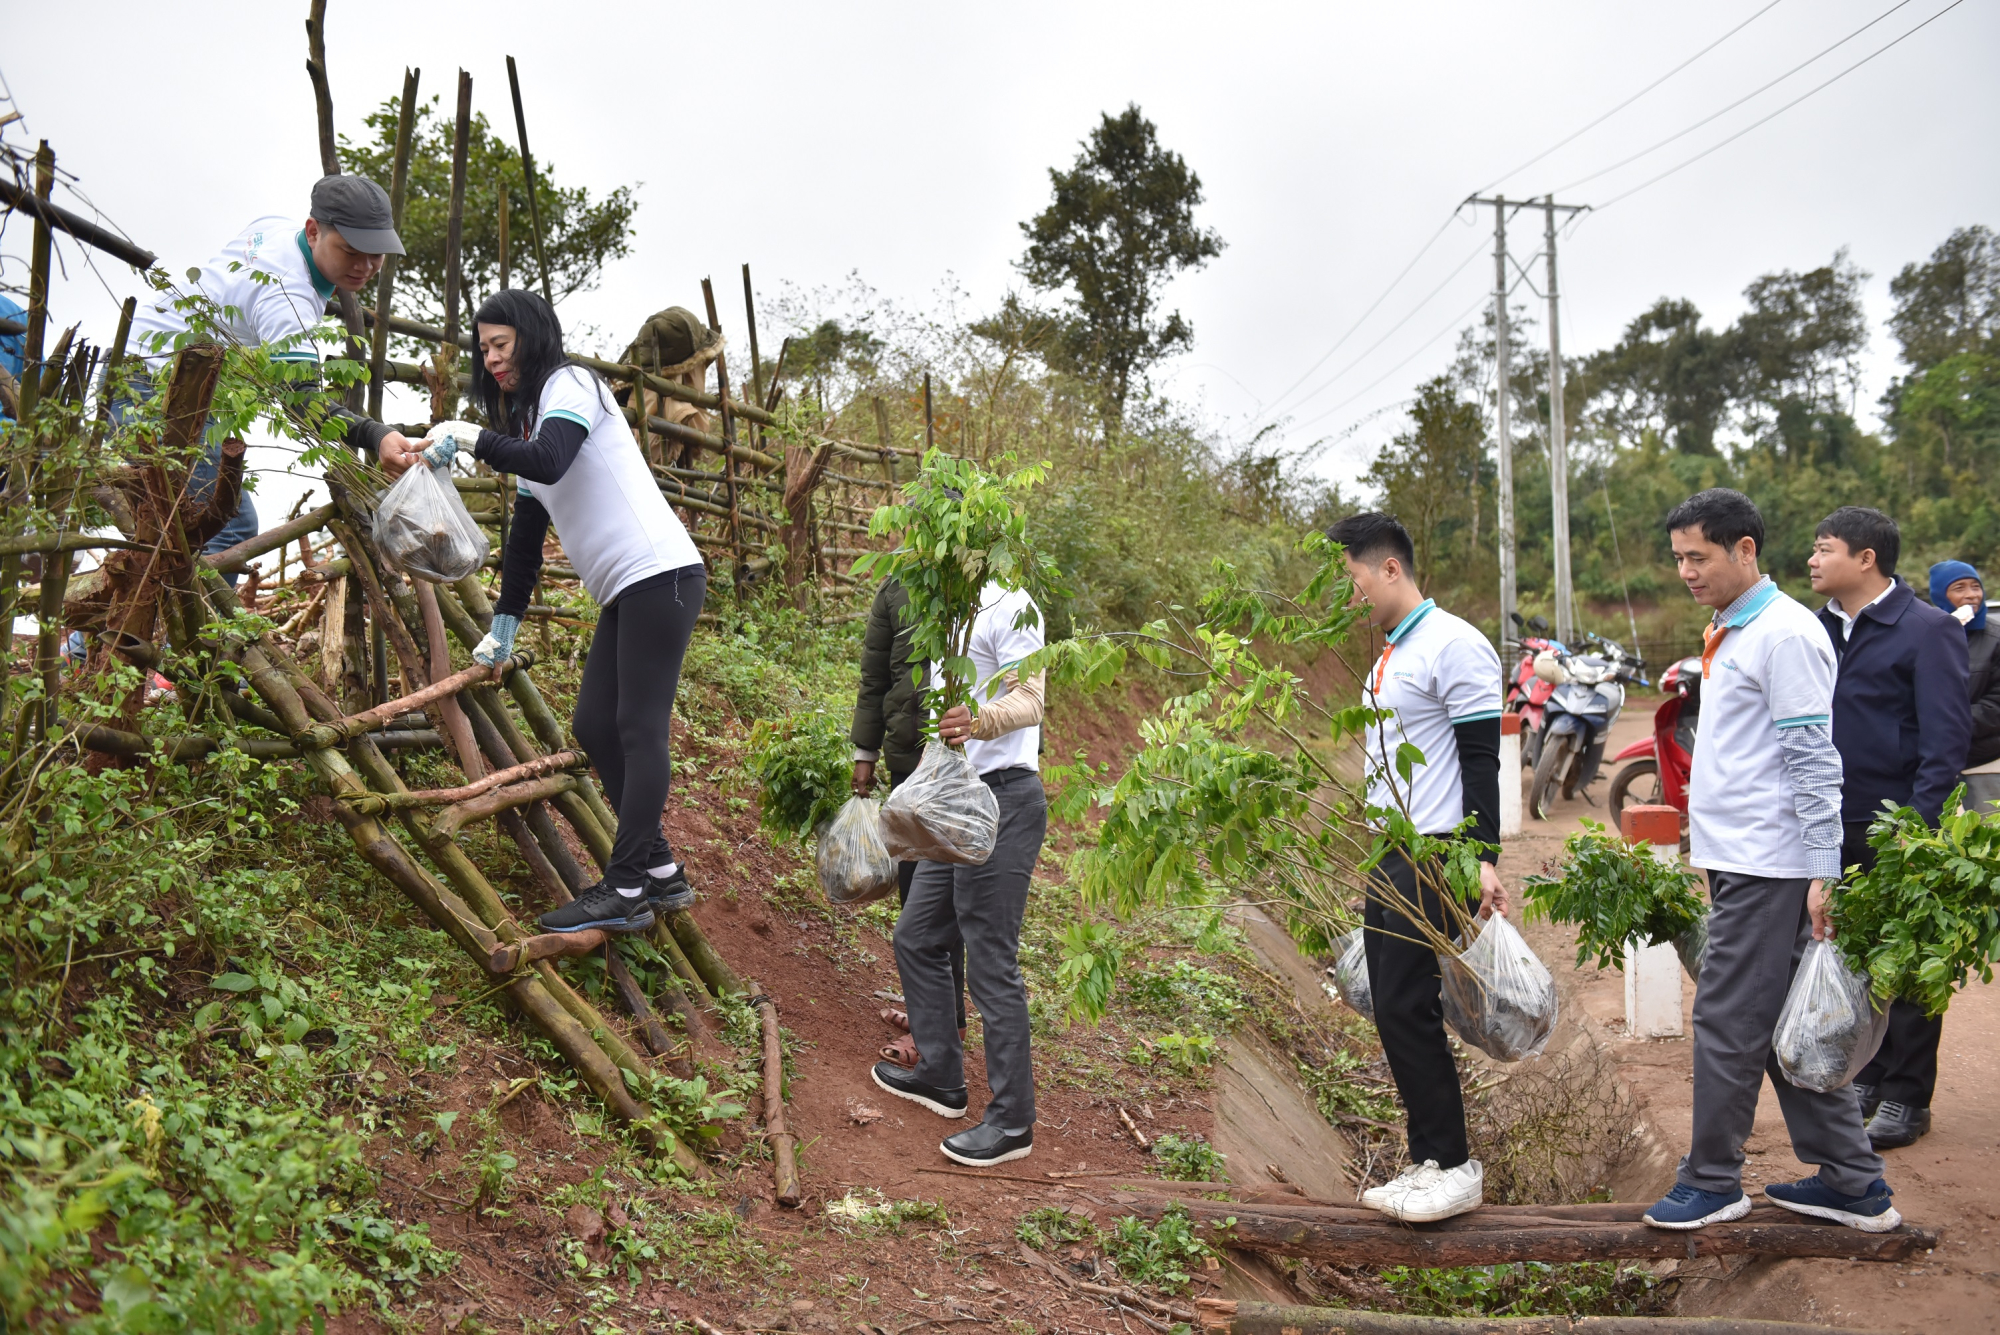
x,y
580,468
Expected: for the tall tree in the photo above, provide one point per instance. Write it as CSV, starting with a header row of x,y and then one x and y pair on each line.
x,y
1120,225
1801,340
1951,303
1668,374
580,234
1432,477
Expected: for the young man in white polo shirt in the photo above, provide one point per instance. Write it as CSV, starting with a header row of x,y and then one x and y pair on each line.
x,y
270,285
1439,678
1764,821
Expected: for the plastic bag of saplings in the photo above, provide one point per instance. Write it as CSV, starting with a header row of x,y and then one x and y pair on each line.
x,y
1498,996
1692,947
854,867
1350,975
422,526
942,812
1830,1026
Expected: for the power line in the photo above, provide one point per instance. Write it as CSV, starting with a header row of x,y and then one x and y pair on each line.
x,y
1333,379
1421,252
1679,134
1630,100
1782,110
1455,322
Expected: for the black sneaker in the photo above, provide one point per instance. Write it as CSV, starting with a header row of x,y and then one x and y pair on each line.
x,y
986,1144
600,906
1895,1125
669,894
895,1080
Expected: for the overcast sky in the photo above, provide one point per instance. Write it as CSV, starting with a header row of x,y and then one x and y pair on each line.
x,y
907,142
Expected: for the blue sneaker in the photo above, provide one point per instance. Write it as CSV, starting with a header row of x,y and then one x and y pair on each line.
x,y
1688,1207
1869,1212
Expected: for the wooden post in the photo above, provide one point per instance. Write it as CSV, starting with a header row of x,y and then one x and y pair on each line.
x,y
728,430
30,391
930,429
785,1167
505,195
882,435
756,365
329,165
385,286
528,175
444,403
777,378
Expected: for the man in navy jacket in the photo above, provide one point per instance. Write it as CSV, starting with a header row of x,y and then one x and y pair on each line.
x,y
1901,723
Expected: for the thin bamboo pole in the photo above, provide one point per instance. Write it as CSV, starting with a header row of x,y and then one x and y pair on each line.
x,y
444,401
385,286
528,176
785,1166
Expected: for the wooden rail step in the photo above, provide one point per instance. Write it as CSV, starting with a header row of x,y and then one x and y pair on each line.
x,y
1224,1316
511,955
1496,1235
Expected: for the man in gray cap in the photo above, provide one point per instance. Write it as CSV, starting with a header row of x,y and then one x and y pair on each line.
x,y
270,286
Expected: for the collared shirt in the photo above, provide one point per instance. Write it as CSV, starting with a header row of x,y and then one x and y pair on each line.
x,y
1764,794
266,289
1436,671
997,644
1847,620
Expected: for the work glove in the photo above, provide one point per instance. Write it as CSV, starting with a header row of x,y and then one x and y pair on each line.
x,y
498,646
446,439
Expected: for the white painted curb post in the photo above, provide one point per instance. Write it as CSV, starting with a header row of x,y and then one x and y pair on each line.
x,y
1510,776
1653,972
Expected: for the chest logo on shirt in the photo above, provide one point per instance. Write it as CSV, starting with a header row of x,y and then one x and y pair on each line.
x,y
1730,663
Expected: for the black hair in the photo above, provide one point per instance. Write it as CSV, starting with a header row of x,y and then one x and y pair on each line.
x,y
538,354
1865,529
1724,517
1371,537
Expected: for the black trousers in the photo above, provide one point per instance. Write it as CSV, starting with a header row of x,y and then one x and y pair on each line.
x,y
626,703
1905,1066
1409,1013
906,873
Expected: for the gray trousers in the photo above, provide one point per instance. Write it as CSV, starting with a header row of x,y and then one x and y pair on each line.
x,y
1757,930
980,907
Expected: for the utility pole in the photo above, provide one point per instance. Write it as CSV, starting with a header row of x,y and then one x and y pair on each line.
x,y
1504,449
1565,599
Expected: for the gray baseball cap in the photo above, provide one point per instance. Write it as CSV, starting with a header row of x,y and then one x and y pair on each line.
x,y
359,209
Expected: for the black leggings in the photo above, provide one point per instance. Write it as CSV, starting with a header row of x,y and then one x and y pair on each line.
x,y
625,704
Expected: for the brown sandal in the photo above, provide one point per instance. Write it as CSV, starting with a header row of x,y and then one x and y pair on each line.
x,y
902,1051
895,1019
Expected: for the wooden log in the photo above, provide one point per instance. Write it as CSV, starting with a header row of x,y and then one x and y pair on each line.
x,y
1338,1239
528,177
1227,1316
457,816
243,553
511,955
439,649
183,750
82,229
443,797
658,1041
340,730
444,401
716,975
785,1166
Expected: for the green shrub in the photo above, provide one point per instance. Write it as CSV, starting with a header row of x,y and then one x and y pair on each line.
x,y
1612,891
803,764
1162,1254
1529,1288
1189,1159
1052,1226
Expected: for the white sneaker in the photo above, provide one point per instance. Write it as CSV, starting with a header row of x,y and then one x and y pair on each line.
x,y
1384,1197
1427,1193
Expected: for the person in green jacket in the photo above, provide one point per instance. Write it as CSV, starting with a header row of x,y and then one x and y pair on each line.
x,y
889,730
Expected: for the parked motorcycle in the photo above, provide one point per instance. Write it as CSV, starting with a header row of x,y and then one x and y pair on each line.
x,y
1657,770
1589,693
1527,694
